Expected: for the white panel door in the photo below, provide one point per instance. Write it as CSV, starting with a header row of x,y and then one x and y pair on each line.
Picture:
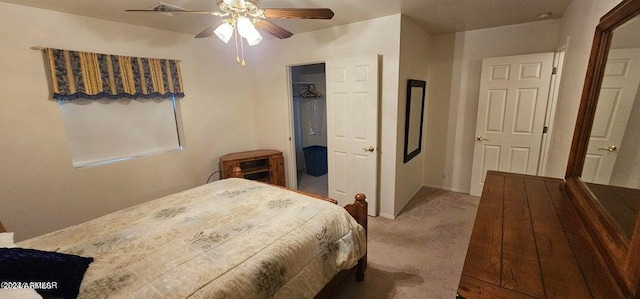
x,y
617,94
352,129
514,91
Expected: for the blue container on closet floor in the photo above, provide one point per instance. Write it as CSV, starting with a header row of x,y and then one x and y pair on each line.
x,y
315,158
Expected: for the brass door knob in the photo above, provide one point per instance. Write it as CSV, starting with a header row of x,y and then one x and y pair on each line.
x,y
481,138
369,149
610,148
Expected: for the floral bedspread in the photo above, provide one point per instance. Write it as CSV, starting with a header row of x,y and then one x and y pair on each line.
x,y
233,238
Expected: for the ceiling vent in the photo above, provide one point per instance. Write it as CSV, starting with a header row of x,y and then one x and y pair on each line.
x,y
166,7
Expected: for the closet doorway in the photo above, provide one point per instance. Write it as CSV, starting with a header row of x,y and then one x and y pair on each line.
x,y
308,92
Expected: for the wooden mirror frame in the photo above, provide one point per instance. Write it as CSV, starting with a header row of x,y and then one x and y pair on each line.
x,y
410,127
621,254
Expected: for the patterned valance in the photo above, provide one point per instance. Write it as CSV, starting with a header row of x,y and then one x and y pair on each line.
x,y
87,75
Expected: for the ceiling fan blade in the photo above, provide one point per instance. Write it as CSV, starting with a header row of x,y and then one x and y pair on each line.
x,y
206,33
209,31
273,29
298,13
196,12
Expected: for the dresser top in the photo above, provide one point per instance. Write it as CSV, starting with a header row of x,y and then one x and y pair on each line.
x,y
528,241
249,154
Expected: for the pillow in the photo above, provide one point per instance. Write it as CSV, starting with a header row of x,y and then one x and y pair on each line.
x,y
6,240
52,273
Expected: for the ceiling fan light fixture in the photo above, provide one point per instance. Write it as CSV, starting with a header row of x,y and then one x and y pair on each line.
x,y
254,38
245,26
242,18
224,32
235,3
247,30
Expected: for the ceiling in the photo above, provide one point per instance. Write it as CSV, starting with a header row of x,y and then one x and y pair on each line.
x,y
435,16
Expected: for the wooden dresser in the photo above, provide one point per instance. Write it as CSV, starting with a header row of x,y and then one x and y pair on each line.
x,y
261,165
528,242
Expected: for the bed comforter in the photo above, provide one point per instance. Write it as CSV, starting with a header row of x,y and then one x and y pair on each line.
x,y
233,238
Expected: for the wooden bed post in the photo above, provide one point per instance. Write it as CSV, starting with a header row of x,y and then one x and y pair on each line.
x,y
237,173
359,211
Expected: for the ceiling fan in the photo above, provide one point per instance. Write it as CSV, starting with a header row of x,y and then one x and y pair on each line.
x,y
242,17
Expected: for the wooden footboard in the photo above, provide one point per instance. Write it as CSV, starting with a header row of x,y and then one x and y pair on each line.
x,y
359,211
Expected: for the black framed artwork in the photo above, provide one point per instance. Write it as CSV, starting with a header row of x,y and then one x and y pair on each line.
x,y
414,118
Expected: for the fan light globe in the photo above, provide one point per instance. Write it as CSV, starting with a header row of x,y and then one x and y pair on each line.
x,y
224,32
254,38
247,30
245,26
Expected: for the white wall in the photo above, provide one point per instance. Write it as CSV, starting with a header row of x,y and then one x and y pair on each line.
x,y
40,191
577,28
378,36
437,115
453,98
414,64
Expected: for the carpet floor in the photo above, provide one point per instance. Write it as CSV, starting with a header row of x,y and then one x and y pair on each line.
x,y
314,184
419,254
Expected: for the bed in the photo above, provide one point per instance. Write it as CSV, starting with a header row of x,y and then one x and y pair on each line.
x,y
232,238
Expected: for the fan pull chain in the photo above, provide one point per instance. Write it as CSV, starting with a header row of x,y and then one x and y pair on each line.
x,y
242,52
235,34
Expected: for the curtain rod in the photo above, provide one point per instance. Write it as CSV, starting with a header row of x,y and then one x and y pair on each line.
x,y
39,48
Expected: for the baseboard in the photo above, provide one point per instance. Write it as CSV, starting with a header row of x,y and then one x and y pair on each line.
x,y
466,191
388,216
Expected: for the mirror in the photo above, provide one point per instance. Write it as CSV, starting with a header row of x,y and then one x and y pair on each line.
x,y
611,168
414,118
603,171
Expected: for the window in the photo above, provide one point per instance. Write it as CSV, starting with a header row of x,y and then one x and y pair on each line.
x,y
115,107
108,131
